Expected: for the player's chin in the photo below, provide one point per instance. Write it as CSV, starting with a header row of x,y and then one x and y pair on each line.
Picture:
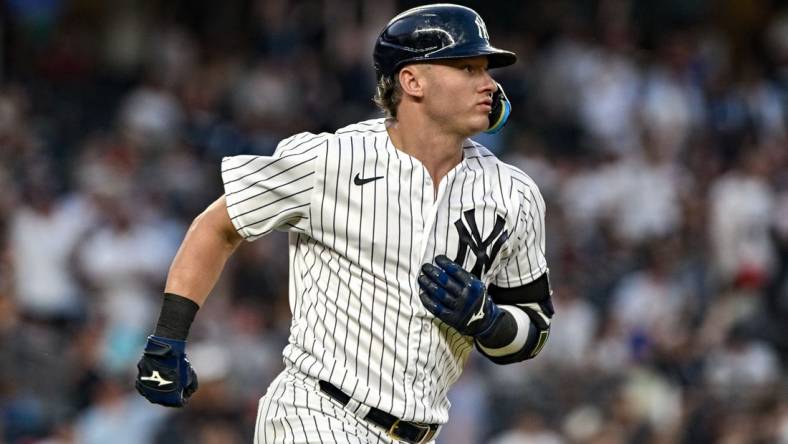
x,y
478,123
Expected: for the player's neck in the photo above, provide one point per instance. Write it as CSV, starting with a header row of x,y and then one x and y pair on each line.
x,y
438,151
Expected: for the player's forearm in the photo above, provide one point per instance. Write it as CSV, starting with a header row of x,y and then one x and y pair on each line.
x,y
523,330
208,244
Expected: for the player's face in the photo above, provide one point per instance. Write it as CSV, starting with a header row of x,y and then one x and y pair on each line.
x,y
459,94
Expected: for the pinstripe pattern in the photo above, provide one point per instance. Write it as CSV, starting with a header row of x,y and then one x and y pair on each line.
x,y
355,254
296,412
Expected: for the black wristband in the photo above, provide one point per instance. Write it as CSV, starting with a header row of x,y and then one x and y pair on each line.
x,y
175,319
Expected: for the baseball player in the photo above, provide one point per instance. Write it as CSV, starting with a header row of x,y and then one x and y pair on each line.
x,y
409,246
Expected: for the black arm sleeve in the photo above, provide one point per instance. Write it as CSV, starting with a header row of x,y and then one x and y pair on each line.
x,y
532,299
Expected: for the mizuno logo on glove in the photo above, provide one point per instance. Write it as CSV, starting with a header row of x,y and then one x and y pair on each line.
x,y
156,377
479,314
164,375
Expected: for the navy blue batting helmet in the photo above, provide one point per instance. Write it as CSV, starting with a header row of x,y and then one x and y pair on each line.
x,y
435,32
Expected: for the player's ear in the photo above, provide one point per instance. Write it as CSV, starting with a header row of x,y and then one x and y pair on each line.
x,y
411,80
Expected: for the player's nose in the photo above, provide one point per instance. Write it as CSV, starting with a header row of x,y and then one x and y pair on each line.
x,y
488,86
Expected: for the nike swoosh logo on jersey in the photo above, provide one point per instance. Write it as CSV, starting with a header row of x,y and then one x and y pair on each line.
x,y
359,181
479,314
157,378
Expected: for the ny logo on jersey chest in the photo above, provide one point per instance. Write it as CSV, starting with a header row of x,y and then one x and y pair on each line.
x,y
471,239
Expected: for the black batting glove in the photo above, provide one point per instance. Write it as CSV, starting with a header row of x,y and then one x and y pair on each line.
x,y
164,375
457,297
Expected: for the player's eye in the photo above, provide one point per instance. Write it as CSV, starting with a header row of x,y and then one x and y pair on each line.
x,y
467,68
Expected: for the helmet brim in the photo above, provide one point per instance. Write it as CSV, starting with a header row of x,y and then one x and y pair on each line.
x,y
497,58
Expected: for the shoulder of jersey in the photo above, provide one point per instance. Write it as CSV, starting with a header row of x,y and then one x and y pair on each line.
x,y
478,156
371,127
365,135
475,150
302,142
306,141
490,162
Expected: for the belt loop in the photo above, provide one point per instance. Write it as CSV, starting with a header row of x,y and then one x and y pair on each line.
x,y
357,408
429,435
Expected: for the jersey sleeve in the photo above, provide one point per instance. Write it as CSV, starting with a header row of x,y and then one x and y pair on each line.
x,y
266,193
526,261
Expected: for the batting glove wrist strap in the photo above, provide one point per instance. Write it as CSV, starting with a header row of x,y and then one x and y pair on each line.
x,y
500,332
164,375
457,297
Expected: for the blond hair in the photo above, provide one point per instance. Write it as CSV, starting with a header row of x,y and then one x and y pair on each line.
x,y
388,95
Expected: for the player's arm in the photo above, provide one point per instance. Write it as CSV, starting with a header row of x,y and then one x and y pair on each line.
x,y
208,244
524,328
261,194
508,324
164,374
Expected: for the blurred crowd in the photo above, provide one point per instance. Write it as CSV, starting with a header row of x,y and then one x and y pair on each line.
x,y
657,132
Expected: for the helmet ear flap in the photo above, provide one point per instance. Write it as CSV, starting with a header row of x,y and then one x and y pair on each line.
x,y
501,108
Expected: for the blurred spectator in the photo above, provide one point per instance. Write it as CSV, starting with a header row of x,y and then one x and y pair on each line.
x,y
124,262
530,429
672,98
43,233
647,192
215,413
742,365
762,102
611,85
741,205
118,416
569,345
151,117
650,305
467,396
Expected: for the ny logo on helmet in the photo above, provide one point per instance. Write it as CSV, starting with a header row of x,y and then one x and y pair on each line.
x,y
482,29
470,238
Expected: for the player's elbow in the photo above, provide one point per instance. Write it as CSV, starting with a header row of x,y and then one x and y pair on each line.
x,y
536,338
215,221
530,310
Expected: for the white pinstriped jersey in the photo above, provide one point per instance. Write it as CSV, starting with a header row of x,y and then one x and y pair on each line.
x,y
363,217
